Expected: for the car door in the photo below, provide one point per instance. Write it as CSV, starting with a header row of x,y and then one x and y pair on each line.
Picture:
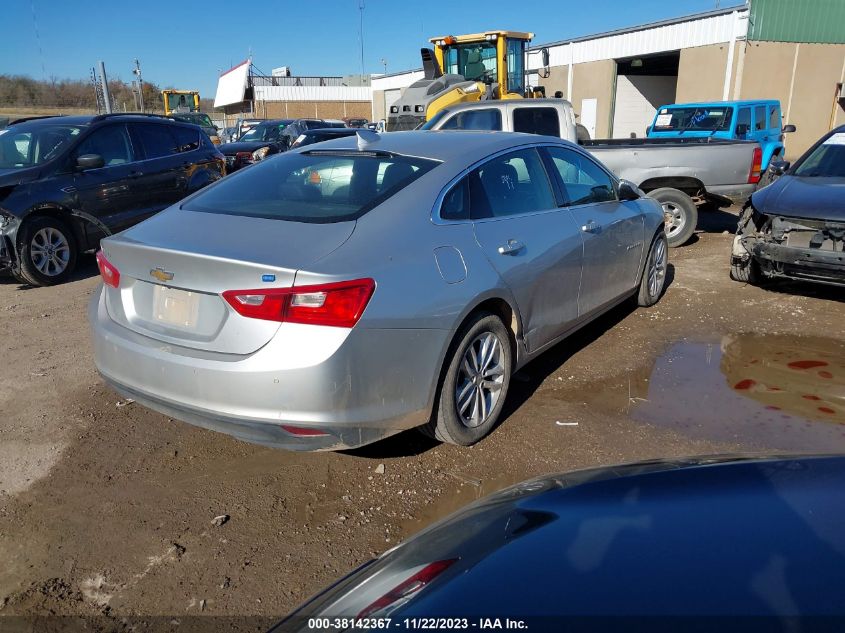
x,y
163,172
613,231
533,244
108,193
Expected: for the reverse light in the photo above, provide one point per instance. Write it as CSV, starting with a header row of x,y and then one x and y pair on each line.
x,y
404,591
756,166
339,304
110,274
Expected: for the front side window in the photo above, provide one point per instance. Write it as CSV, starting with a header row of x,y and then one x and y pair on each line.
x,y
487,119
743,122
584,182
156,139
27,144
536,121
511,184
774,118
760,118
313,186
111,143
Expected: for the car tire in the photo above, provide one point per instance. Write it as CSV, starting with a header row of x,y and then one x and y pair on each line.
x,y
466,410
679,212
653,278
746,271
48,251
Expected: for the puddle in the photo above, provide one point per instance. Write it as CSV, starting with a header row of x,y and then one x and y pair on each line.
x,y
779,392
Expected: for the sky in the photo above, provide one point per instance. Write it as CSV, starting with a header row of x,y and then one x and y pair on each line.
x,y
186,44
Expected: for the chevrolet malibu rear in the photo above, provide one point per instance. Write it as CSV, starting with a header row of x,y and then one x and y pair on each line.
x,y
219,313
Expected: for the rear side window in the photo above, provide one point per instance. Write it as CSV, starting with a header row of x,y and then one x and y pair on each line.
x,y
743,122
536,121
584,182
187,140
455,204
511,184
315,187
488,119
760,117
156,140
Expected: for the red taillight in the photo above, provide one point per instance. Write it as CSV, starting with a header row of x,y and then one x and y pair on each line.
x,y
338,304
756,166
409,587
243,156
110,274
302,431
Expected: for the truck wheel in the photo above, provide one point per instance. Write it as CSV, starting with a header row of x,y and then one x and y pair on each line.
x,y
48,252
746,271
679,213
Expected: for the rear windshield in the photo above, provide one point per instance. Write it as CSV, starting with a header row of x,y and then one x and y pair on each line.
x,y
317,187
697,118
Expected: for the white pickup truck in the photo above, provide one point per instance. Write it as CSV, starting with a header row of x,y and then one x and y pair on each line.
x,y
682,174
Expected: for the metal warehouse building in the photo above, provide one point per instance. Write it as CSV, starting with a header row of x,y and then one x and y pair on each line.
x,y
791,50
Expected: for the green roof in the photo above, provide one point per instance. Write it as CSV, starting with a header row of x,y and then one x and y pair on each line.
x,y
811,21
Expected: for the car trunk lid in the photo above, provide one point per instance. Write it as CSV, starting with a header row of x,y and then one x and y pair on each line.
x,y
174,267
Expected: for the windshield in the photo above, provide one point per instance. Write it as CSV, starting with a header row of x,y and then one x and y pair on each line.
x,y
265,132
428,125
317,187
700,118
203,120
473,61
28,144
826,161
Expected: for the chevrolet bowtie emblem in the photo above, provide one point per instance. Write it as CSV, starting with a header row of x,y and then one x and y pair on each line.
x,y
161,274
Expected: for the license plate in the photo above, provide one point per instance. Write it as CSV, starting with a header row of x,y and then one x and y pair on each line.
x,y
175,307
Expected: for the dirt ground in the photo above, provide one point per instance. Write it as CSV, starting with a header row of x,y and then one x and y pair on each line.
x,y
109,509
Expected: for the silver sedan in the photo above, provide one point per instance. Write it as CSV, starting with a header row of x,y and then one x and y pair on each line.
x,y
335,295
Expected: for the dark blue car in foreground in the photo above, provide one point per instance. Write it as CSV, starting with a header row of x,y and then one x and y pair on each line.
x,y
795,227
708,544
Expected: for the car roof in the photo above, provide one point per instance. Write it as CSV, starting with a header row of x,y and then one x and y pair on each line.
x,y
502,103
711,104
441,145
89,119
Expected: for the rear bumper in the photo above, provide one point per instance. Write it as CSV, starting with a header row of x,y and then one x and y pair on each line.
x,y
737,194
810,264
359,387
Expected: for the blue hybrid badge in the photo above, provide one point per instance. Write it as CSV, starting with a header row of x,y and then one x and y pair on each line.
x,y
268,278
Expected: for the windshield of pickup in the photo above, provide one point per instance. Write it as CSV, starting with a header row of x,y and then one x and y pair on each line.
x,y
826,161
28,144
696,118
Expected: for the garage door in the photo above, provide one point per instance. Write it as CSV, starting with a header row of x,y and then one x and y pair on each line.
x,y
637,99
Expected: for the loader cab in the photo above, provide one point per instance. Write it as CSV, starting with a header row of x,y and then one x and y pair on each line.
x,y
476,57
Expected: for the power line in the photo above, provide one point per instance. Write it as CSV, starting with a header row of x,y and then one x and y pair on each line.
x,y
38,39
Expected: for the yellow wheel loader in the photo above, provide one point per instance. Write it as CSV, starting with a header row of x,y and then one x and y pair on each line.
x,y
462,68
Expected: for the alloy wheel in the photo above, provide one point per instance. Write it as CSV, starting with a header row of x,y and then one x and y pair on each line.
x,y
50,251
480,379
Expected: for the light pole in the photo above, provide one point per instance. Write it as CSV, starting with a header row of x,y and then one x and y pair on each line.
x,y
137,71
384,63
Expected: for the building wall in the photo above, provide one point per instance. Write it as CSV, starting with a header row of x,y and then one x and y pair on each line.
x,y
806,93
595,80
313,109
701,73
378,112
555,81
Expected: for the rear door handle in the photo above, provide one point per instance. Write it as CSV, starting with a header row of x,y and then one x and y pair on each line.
x,y
591,227
513,246
136,174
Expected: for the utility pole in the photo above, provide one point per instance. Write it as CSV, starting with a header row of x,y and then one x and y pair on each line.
x,y
98,97
137,71
105,82
361,29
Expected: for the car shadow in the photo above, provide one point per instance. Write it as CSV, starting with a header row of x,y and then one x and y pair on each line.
x,y
713,220
522,386
804,289
86,267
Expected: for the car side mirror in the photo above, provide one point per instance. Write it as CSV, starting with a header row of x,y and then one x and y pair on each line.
x,y
788,128
89,161
779,167
628,191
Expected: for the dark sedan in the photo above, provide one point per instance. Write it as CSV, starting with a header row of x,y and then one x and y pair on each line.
x,y
263,140
707,544
309,137
795,227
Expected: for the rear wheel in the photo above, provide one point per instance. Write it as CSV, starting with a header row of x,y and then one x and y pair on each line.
x,y
48,252
475,386
680,214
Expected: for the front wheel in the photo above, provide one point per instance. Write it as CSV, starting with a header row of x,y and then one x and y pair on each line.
x,y
745,270
475,386
680,214
654,274
48,252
